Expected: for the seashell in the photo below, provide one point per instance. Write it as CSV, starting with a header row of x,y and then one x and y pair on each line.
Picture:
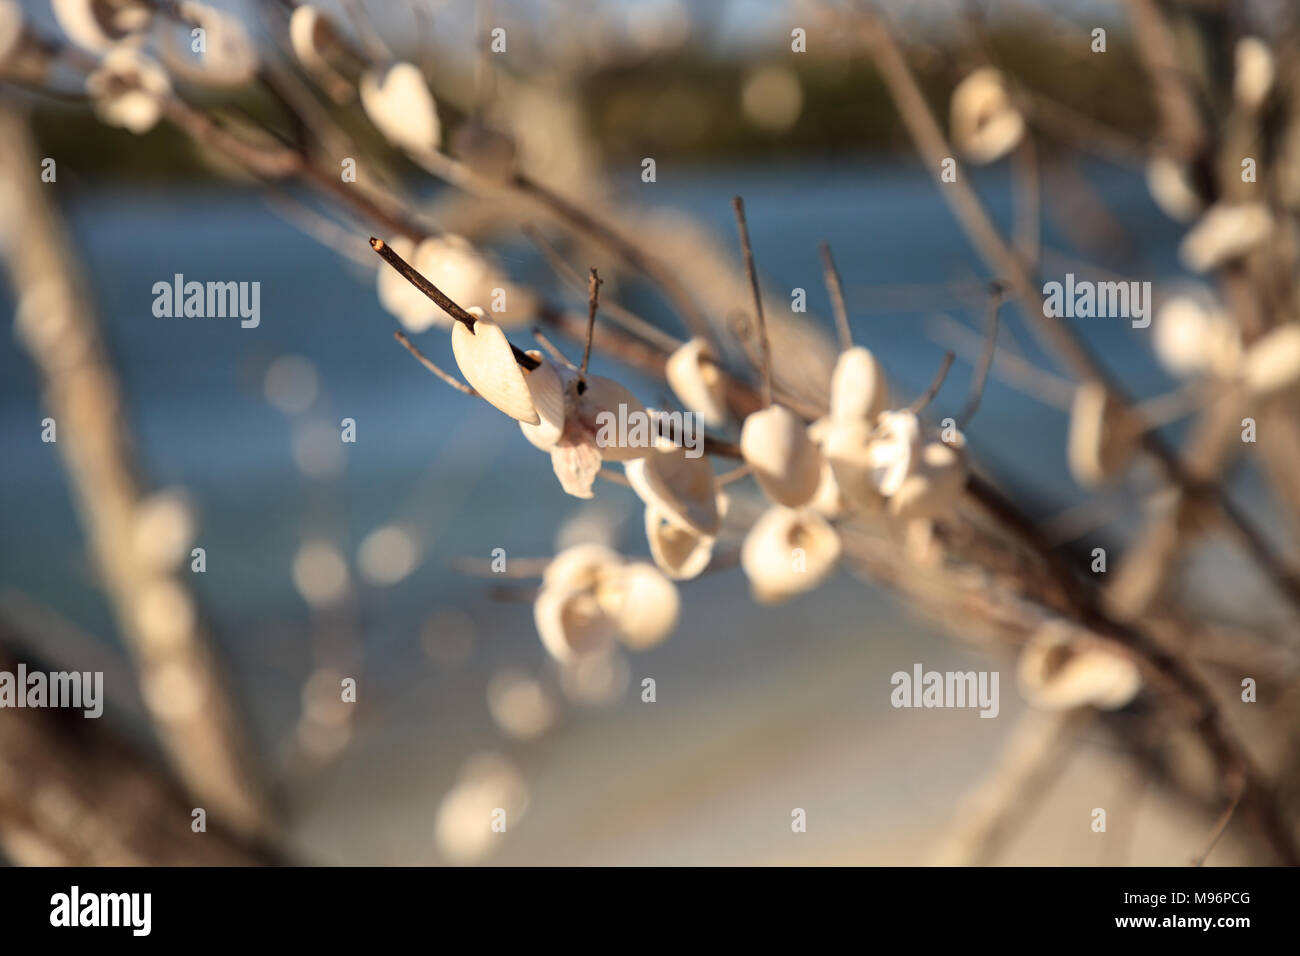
x,y
846,448
788,552
1254,74
572,623
1227,231
1171,187
228,57
858,386
601,397
128,89
1273,362
697,381
1099,445
399,103
488,364
892,450
547,388
575,459
936,484
99,24
642,603
678,550
580,567
985,124
313,37
1057,672
1193,336
681,488
785,462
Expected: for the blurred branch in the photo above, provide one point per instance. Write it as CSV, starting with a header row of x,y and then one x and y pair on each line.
x,y
191,707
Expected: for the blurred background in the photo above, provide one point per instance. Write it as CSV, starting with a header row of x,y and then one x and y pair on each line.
x,y
327,560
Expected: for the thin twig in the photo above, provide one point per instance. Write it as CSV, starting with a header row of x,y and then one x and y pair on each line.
x,y
409,273
427,363
1021,374
836,289
928,395
765,347
624,317
996,297
616,477
1238,788
593,302
735,474
516,568
553,350
413,276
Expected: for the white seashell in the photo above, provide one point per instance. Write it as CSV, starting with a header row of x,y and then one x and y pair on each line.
x,y
128,89
936,485
680,488
546,388
1171,188
858,386
399,103
1255,72
313,38
98,24
1099,445
575,459
678,550
788,552
572,623
488,364
1193,336
846,446
603,396
228,58
642,603
1227,231
697,381
1273,362
893,450
1057,672
985,124
580,567
785,462
828,501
